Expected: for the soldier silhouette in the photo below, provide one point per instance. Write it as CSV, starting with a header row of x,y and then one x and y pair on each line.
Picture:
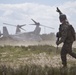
x,y
66,35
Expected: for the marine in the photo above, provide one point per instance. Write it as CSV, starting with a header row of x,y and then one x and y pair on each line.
x,y
66,37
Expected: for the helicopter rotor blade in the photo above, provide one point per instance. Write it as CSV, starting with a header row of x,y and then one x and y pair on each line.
x,y
23,29
43,26
14,25
9,24
34,21
22,25
37,23
32,24
46,26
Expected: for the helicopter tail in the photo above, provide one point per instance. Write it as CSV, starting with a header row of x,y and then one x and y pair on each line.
x,y
5,32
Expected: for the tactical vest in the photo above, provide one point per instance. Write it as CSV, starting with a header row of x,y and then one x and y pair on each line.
x,y
70,33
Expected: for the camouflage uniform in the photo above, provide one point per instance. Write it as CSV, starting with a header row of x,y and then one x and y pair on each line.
x,y
67,39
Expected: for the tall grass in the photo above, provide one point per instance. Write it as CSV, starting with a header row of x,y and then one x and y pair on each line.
x,y
33,60
36,70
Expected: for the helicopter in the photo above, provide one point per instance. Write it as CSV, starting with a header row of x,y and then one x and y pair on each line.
x,y
24,36
18,27
38,29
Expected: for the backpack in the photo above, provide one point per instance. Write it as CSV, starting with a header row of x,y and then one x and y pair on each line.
x,y
71,29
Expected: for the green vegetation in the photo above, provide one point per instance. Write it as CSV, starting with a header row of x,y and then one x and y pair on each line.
x,y
14,52
34,60
36,70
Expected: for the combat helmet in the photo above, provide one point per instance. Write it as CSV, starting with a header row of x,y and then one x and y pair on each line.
x,y
62,17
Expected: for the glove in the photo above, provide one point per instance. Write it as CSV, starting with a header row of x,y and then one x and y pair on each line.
x,y
57,42
58,34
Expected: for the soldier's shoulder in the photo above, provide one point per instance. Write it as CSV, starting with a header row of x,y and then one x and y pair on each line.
x,y
65,27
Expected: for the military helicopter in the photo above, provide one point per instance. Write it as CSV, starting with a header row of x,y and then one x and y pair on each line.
x,y
20,36
38,29
38,24
25,36
18,27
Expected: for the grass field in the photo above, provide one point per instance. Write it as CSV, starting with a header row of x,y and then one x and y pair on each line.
x,y
34,60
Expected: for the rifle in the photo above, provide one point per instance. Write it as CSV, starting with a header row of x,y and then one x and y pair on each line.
x,y
58,36
58,10
57,40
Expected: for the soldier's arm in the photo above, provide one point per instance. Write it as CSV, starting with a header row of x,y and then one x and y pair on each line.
x,y
58,34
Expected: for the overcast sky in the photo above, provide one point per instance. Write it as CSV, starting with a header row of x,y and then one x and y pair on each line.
x,y
44,11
